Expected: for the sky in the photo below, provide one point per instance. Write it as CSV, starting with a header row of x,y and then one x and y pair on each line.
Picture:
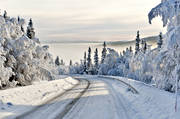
x,y
86,20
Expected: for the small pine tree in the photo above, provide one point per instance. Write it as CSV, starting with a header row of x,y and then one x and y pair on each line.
x,y
18,19
96,59
85,63
62,62
142,43
104,51
57,61
160,40
30,23
144,47
137,43
30,30
5,14
130,49
89,59
22,29
70,63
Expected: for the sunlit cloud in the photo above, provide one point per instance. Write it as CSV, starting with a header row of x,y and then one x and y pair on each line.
x,y
86,20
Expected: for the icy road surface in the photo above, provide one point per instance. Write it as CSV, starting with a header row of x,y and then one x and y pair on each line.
x,y
93,98
104,98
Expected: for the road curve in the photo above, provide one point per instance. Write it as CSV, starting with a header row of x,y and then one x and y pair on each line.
x,y
58,106
93,98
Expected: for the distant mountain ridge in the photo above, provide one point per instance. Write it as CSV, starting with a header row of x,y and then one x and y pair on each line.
x,y
76,41
150,40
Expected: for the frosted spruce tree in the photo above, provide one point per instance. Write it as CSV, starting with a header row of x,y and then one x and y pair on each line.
x,y
57,61
62,63
22,29
5,15
104,53
85,63
96,61
160,41
165,63
130,49
137,43
70,63
30,30
144,47
89,62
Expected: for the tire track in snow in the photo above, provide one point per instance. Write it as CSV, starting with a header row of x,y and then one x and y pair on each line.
x,y
73,102
132,88
80,109
51,101
77,108
127,110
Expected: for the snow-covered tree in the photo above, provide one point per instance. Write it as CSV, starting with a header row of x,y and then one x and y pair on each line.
x,y
160,41
70,63
104,52
18,19
137,48
85,63
5,14
96,60
165,63
57,61
77,68
89,61
30,30
22,29
22,60
62,63
144,47
130,49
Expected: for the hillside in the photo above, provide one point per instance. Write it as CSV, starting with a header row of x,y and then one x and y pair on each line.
x,y
150,40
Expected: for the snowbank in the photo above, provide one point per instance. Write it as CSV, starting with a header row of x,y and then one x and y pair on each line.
x,y
151,102
16,101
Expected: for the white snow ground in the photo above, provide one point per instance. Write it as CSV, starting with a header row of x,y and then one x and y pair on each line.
x,y
104,99
16,101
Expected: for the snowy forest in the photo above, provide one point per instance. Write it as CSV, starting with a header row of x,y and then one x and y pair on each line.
x,y
23,59
159,66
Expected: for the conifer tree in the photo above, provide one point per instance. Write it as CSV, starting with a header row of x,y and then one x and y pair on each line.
x,y
137,43
85,63
96,59
144,47
104,51
160,40
18,19
62,62
22,29
142,43
5,14
130,49
89,59
57,61
30,30
70,63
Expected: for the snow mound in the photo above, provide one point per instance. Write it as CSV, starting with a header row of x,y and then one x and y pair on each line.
x,y
19,100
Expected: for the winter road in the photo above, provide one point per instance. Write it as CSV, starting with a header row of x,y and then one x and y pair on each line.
x,y
92,98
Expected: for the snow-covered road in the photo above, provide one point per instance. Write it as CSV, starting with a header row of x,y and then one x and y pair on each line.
x,y
99,100
102,101
105,98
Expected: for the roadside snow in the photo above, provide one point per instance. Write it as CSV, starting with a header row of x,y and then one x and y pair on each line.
x,y
150,103
16,101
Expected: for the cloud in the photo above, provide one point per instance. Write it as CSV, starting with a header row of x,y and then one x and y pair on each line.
x,y
86,19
